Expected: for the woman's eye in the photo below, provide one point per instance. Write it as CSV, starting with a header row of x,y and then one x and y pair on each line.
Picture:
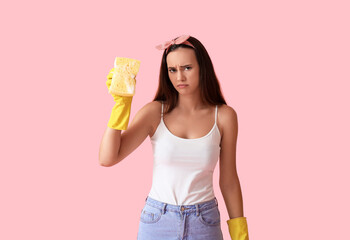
x,y
170,70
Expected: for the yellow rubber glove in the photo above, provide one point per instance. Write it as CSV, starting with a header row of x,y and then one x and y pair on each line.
x,y
238,228
120,115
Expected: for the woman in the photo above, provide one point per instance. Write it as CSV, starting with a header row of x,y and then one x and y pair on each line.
x,y
190,126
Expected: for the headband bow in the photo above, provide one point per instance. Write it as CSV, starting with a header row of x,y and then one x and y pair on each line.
x,y
178,40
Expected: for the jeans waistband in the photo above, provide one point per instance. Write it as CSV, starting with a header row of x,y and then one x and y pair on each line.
x,y
182,208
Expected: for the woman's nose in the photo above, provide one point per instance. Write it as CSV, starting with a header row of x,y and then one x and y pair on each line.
x,y
179,75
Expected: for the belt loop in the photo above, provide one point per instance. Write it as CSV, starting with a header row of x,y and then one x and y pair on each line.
x,y
216,201
163,210
197,210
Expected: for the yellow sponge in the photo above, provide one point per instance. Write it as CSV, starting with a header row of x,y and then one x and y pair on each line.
x,y
123,79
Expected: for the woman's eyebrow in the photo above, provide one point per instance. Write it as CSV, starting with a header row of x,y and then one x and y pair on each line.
x,y
183,65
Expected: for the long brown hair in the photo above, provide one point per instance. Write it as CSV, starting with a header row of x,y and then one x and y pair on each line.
x,y
210,91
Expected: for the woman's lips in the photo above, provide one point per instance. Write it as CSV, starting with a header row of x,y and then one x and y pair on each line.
x,y
182,85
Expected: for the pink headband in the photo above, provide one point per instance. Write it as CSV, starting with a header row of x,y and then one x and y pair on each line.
x,y
182,39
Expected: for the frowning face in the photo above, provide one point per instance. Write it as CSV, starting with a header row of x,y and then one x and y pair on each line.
x,y
183,68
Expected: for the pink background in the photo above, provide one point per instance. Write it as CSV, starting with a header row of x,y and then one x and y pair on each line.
x,y
282,65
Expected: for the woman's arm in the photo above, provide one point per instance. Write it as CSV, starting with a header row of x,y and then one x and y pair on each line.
x,y
115,146
109,147
229,181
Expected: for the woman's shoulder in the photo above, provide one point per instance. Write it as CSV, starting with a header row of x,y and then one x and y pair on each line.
x,y
226,112
226,109
227,117
152,108
155,104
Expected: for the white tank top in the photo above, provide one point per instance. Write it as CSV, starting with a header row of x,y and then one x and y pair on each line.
x,y
183,168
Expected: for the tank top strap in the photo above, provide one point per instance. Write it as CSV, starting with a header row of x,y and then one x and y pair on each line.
x,y
216,113
162,111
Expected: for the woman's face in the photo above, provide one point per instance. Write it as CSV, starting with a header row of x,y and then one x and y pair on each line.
x,y
183,68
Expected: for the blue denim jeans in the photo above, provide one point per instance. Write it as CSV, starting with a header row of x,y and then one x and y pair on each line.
x,y
162,221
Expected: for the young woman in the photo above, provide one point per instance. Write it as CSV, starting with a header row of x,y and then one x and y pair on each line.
x,y
190,127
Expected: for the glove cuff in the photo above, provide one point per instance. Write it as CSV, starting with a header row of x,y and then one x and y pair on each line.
x,y
120,114
238,228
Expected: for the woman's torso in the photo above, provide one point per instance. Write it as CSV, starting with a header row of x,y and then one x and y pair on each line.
x,y
186,148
